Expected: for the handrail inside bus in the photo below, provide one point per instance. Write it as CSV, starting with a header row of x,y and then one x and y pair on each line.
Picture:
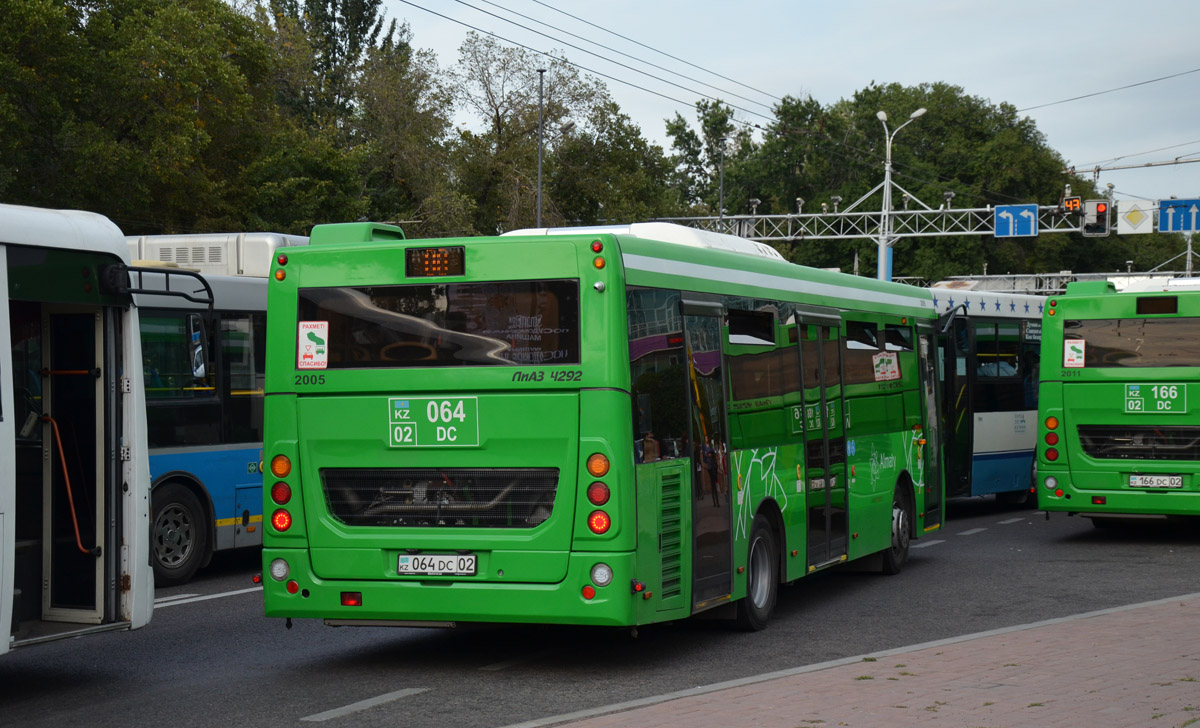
x,y
70,491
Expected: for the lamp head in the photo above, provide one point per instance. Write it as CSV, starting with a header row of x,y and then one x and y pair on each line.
x,y
916,113
881,115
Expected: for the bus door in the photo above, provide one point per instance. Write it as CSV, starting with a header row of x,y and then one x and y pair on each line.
x,y
73,476
932,431
824,443
712,543
959,374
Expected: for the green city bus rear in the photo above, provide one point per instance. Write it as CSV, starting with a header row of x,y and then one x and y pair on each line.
x,y
1119,401
432,479
451,427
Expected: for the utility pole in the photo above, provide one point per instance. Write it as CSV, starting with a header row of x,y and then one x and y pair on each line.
x,y
541,77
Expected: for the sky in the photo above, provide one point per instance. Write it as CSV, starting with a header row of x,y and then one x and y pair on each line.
x,y
1026,53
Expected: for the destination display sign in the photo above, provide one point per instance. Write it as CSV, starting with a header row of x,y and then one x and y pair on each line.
x,y
433,421
1156,398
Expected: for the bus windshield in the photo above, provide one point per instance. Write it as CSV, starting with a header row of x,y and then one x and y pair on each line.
x,y
1136,342
503,323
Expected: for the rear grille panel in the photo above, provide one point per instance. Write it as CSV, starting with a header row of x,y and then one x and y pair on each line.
x,y
1141,442
440,497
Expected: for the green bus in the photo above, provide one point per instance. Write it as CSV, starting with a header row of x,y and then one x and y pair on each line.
x,y
1119,430
610,426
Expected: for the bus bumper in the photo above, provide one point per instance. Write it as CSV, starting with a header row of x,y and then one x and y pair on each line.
x,y
447,601
1107,493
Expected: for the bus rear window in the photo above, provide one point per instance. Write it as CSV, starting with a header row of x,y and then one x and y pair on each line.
x,y
1135,342
505,323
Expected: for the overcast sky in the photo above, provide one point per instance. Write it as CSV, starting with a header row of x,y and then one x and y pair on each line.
x,y
1024,52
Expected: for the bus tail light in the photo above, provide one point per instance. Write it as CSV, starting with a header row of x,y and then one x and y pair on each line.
x,y
1051,438
599,522
1051,423
281,467
1099,500
598,493
589,592
602,574
281,493
351,599
293,587
1051,454
279,569
281,520
597,465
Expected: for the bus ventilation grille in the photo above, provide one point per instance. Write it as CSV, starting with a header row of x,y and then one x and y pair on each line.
x,y
671,534
437,497
1144,442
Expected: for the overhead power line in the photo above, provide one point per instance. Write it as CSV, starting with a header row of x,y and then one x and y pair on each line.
x,y
618,52
1109,91
668,55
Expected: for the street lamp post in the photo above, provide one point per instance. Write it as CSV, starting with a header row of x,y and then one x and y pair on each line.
x,y
541,77
884,269
721,184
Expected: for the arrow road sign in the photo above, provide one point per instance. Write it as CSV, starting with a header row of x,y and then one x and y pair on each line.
x,y
1015,221
1178,216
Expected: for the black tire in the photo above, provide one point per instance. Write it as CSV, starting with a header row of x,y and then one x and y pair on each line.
x,y
896,555
179,535
762,578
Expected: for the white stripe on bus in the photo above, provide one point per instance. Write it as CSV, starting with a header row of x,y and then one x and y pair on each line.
x,y
777,282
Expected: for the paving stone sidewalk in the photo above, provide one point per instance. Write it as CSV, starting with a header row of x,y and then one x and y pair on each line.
x,y
1132,666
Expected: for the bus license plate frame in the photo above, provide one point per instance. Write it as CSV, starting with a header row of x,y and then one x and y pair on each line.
x,y
437,565
1156,481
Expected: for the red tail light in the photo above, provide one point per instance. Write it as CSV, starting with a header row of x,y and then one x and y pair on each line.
x,y
281,520
293,587
598,493
1051,454
599,522
589,592
351,599
1051,438
281,493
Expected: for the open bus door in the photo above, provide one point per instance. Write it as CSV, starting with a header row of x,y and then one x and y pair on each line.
x,y
927,348
826,485
958,340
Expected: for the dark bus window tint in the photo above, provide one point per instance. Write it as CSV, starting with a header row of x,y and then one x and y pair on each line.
x,y
833,374
997,347
755,376
751,328
862,344
167,359
898,338
243,344
658,372
1134,342
505,323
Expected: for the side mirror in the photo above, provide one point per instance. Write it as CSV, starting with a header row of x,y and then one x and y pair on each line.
x,y
197,343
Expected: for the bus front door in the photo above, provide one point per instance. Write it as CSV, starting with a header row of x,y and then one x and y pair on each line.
x,y
712,544
932,432
960,423
824,445
73,475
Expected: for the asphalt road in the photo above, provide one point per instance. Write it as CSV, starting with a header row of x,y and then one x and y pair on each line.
x,y
218,661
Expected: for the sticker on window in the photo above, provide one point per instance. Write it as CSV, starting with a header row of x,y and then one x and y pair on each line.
x,y
887,366
1073,353
312,351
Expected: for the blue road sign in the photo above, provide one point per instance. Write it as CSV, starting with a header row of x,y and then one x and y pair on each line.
x,y
1178,216
1015,221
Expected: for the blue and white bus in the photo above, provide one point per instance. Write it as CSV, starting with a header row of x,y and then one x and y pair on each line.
x,y
205,410
989,362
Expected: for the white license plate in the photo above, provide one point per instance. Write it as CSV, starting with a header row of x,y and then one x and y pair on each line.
x,y
437,564
1155,481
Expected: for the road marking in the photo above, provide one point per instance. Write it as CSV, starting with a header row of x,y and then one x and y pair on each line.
x,y
923,544
972,531
206,597
516,661
173,597
363,705
1011,520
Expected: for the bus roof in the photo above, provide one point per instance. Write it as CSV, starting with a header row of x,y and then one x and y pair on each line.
x,y
667,233
234,254
992,304
66,229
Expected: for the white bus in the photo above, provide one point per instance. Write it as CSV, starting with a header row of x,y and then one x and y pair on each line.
x,y
74,475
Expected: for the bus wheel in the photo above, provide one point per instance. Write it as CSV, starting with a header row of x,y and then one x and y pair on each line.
x,y
895,556
762,578
179,536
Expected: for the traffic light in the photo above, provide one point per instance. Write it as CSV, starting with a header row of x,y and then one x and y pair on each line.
x,y
1095,219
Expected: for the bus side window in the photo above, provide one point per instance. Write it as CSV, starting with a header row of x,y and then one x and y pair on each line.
x,y
862,344
243,345
658,375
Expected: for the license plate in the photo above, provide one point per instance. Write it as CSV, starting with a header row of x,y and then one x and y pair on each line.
x,y
1155,481
437,564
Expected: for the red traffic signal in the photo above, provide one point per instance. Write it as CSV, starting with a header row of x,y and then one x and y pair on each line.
x,y
1096,219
